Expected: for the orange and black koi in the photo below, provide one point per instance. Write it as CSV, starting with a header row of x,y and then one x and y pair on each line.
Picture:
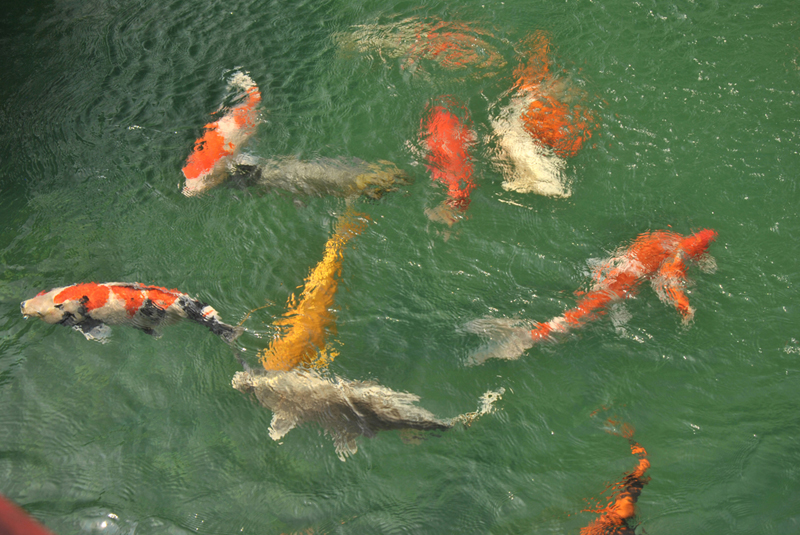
x,y
91,307
616,516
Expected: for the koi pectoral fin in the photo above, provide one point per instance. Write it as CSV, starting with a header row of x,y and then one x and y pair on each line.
x,y
507,339
94,330
281,424
671,291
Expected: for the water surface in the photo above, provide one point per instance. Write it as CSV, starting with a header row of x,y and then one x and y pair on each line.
x,y
100,103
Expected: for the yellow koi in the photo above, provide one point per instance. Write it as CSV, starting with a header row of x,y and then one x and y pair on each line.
x,y
307,319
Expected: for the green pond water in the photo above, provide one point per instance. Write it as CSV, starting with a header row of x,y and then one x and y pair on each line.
x,y
100,102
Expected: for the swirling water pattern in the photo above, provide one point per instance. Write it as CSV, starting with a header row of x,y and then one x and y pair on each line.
x,y
100,102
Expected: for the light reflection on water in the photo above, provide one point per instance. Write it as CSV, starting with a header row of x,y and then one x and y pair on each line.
x,y
697,130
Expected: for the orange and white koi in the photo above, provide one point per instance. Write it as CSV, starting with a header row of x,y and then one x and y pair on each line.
x,y
305,325
447,139
543,125
91,307
663,257
615,517
207,165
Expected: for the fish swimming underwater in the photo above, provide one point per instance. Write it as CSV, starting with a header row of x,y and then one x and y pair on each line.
x,y
542,126
292,386
616,516
90,308
345,409
447,139
663,257
451,45
305,325
339,177
207,165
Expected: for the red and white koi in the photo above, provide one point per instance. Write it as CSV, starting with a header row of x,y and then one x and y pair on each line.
x,y
662,257
91,307
207,165
542,126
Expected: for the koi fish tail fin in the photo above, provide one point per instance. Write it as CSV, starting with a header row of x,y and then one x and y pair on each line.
x,y
351,224
208,316
229,333
507,339
669,286
487,401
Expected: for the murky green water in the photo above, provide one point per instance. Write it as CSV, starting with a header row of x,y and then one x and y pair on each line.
x,y
99,105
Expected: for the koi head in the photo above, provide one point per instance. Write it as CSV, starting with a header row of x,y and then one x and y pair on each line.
x,y
697,244
44,307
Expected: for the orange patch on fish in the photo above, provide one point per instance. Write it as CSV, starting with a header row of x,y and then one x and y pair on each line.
x,y
133,298
305,325
93,295
208,150
552,123
161,297
448,139
547,118
621,505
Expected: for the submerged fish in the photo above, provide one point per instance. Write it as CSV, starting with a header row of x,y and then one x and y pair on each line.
x,y
90,308
304,326
451,45
339,177
615,517
345,409
207,165
447,139
663,257
542,126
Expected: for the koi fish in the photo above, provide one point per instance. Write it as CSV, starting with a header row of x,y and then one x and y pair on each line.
x,y
447,140
451,45
340,177
15,521
616,515
90,308
663,257
207,165
305,324
345,409
540,128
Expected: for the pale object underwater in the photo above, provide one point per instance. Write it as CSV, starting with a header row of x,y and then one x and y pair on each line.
x,y
528,166
345,409
337,177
